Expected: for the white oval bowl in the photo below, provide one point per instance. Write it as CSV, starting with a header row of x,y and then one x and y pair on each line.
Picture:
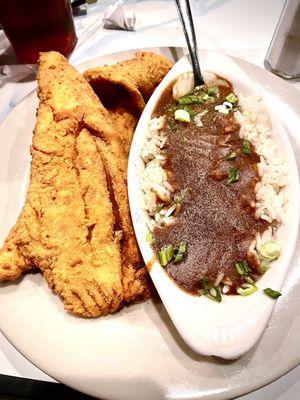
x,y
230,328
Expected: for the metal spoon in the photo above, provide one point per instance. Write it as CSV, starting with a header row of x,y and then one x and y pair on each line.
x,y
185,15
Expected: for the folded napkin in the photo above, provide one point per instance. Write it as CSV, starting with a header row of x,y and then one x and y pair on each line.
x,y
116,18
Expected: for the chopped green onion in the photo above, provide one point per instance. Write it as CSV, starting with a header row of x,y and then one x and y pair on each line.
x,y
210,290
242,268
246,147
231,98
182,115
172,123
150,238
163,259
246,289
178,258
246,267
274,294
270,250
166,254
212,91
248,279
233,175
178,198
231,156
182,247
239,267
159,207
192,113
191,99
180,253
169,252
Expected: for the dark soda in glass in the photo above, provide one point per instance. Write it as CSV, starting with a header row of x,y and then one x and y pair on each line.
x,y
38,25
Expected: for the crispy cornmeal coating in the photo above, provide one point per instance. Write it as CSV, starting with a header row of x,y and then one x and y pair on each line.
x,y
124,88
75,225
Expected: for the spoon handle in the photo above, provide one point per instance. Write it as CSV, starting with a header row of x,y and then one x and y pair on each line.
x,y
185,15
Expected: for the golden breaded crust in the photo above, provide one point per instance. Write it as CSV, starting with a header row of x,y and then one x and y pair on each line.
x,y
75,225
125,87
67,226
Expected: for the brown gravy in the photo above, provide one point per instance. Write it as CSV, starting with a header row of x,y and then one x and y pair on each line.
x,y
216,219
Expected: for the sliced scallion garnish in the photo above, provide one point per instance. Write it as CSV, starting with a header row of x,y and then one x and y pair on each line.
x,y
210,290
192,113
182,247
270,250
231,156
169,252
159,207
242,267
191,99
233,175
182,115
150,238
248,279
246,289
178,258
274,294
180,253
179,197
212,91
162,255
172,123
231,98
246,147
239,268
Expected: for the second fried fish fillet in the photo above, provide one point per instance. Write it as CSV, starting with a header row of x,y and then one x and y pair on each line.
x,y
124,89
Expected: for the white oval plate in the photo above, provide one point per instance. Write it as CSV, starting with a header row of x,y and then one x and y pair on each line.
x,y
136,354
230,328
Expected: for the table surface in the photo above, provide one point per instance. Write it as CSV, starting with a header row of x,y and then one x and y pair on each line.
x,y
217,23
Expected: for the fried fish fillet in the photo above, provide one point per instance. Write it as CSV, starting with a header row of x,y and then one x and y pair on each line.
x,y
75,225
67,226
124,89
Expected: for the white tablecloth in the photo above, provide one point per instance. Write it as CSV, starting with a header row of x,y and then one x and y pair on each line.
x,y
242,28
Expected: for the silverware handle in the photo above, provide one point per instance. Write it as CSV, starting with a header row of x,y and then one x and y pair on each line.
x,y
185,15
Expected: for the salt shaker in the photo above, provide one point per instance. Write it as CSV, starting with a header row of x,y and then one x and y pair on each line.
x,y
283,55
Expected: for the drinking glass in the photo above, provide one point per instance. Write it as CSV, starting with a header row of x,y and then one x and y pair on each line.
x,y
37,25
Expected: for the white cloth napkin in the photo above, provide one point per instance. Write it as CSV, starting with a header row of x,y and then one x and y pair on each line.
x,y
116,18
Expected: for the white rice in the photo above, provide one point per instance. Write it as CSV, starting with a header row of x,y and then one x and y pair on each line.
x,y
271,197
154,180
